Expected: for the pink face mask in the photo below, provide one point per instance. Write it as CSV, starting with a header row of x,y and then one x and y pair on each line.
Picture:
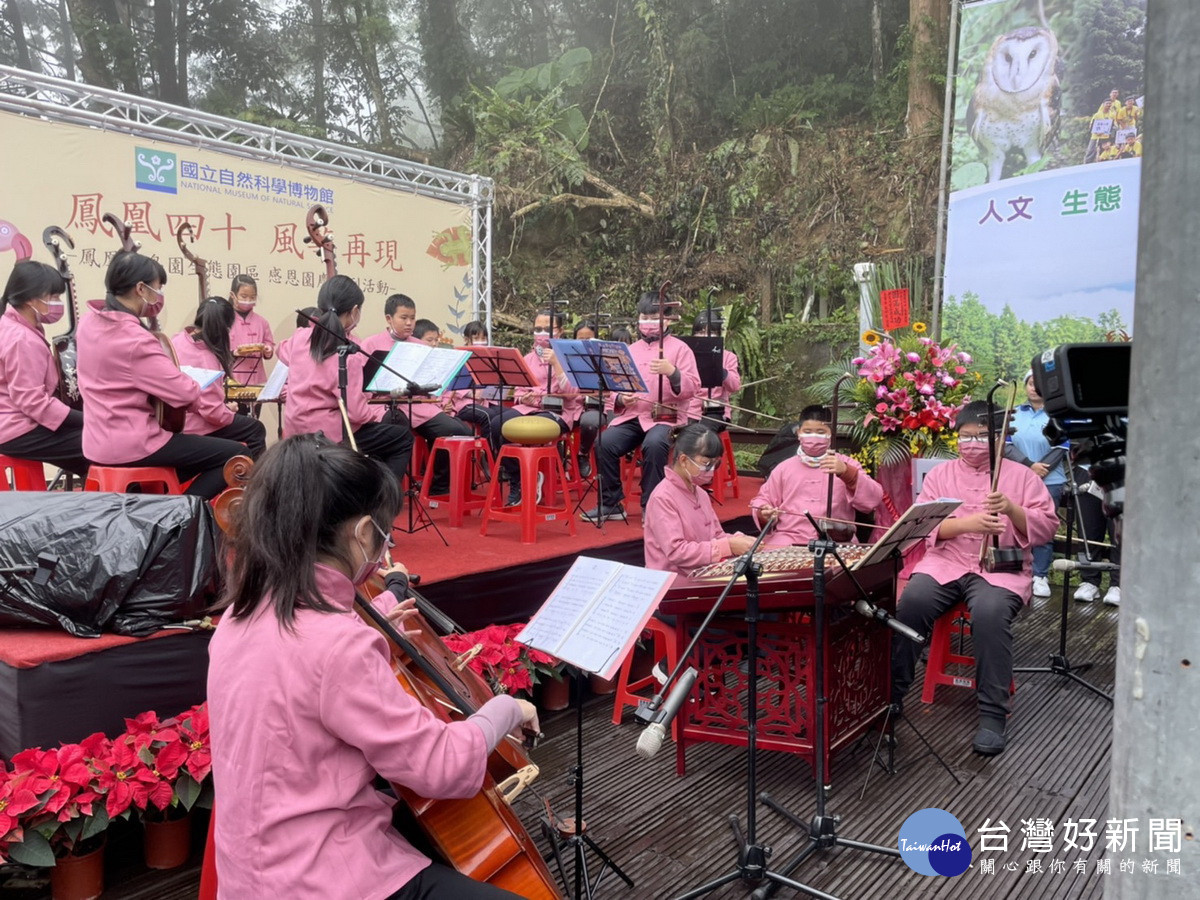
x,y
814,444
369,567
541,339
974,454
245,305
150,310
650,330
54,312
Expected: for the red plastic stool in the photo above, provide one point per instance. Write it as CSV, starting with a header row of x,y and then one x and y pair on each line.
x,y
529,513
27,474
153,479
631,474
465,455
728,470
954,623
627,691
208,871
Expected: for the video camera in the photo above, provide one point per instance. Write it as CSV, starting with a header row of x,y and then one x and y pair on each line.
x,y
1086,391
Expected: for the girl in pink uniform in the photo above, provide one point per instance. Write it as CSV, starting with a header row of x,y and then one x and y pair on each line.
x,y
304,707
123,368
34,423
206,346
249,329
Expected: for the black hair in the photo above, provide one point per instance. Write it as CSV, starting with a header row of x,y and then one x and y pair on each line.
x,y
300,495
621,333
647,304
302,322
214,318
817,413
974,413
582,325
29,280
422,327
396,301
474,330
556,318
706,321
338,296
127,270
695,440
240,281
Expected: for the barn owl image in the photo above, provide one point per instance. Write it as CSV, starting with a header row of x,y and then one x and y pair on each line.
x,y
1015,106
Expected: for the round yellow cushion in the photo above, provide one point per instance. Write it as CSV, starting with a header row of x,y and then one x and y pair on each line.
x,y
531,430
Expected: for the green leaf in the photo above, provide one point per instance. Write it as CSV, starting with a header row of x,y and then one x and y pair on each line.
x,y
34,850
95,823
187,790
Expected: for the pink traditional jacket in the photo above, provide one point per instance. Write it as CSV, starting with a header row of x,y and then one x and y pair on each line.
x,y
422,409
28,379
249,329
797,488
301,721
676,352
572,402
730,386
682,532
312,399
946,561
121,365
210,413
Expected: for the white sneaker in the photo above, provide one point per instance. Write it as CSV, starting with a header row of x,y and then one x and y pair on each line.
x,y
1086,593
1041,586
1113,597
541,480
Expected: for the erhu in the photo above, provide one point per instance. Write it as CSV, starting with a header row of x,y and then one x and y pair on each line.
x,y
63,346
993,557
183,235
549,401
660,411
837,530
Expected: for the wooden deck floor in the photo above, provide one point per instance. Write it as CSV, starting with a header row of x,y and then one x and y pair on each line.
x,y
671,834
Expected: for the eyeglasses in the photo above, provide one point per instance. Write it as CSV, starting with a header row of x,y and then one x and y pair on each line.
x,y
388,542
706,467
973,439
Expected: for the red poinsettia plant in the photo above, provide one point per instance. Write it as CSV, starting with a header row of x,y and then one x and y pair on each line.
x,y
158,769
509,666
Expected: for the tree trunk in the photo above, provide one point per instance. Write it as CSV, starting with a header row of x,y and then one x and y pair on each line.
x,y
443,49
66,41
928,26
120,45
90,25
182,46
12,12
876,42
318,66
164,51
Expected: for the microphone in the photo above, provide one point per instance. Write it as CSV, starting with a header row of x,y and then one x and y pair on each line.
x,y
1070,565
652,738
864,608
45,568
415,389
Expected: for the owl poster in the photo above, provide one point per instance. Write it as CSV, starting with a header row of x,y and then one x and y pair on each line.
x,y
1045,164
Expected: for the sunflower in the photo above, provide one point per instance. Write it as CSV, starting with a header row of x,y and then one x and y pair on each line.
x,y
919,328
871,338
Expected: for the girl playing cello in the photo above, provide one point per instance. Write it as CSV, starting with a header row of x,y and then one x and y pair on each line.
x,y
304,706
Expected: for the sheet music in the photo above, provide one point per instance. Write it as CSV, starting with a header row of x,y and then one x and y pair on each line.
x,y
273,389
917,523
595,613
202,377
419,363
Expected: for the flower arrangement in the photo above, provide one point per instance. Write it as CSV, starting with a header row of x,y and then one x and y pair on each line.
x,y
908,392
158,768
509,666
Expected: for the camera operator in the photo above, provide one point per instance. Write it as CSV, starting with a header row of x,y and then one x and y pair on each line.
x,y
1094,525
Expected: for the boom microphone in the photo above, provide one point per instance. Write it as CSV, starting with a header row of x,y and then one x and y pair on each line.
x,y
652,738
864,608
1071,565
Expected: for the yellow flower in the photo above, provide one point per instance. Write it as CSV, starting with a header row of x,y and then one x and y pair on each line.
x,y
919,328
871,338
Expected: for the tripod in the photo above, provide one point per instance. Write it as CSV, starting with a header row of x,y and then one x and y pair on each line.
x,y
579,841
418,516
1059,663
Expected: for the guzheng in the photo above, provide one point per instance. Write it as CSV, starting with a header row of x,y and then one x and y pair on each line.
x,y
857,653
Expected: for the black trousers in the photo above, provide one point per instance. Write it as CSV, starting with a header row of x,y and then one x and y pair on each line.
x,y
389,443
623,438
438,882
245,430
442,425
62,448
992,612
590,424
1097,527
202,456
511,467
477,416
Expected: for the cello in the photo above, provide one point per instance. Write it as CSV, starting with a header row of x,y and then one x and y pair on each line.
x,y
170,418
480,836
200,265
63,346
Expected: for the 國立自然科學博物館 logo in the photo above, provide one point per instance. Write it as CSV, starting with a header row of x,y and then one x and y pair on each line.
x,y
156,170
933,842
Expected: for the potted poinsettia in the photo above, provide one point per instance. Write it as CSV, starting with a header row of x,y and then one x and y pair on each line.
x,y
510,667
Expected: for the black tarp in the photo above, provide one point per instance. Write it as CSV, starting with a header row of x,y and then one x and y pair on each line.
x,y
127,563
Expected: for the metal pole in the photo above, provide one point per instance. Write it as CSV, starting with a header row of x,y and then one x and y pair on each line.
x,y
1156,715
935,309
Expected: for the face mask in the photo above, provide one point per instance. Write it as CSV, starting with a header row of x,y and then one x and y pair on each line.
x,y
701,478
244,305
55,311
650,330
541,339
974,454
150,310
479,343
370,566
814,444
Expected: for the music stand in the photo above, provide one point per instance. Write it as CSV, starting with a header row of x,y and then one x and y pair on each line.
x,y
600,367
710,362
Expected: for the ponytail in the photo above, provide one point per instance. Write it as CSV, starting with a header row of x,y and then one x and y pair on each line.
x,y
338,296
214,318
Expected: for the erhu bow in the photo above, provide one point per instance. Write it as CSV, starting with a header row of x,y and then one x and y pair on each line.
x,y
660,411
63,346
993,557
183,235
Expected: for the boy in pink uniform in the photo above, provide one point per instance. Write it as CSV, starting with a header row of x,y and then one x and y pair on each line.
x,y
1021,512
206,346
634,423
249,333
800,484
709,324
305,708
424,418
34,423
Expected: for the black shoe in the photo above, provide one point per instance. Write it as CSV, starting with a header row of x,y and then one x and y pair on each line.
x,y
604,513
514,495
988,742
584,464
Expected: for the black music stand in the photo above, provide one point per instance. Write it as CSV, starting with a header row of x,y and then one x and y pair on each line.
x,y
599,367
710,362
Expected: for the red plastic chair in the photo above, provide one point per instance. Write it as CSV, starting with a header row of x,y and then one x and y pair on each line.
x,y
627,691
21,474
950,626
152,479
208,871
529,513
465,454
